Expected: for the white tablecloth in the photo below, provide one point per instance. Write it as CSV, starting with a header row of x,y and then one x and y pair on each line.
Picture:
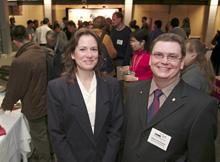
x,y
16,141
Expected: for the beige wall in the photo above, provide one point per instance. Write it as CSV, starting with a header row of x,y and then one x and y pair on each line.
x,y
196,13
29,12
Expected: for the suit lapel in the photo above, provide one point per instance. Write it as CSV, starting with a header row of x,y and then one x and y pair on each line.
x,y
80,111
102,109
143,94
172,103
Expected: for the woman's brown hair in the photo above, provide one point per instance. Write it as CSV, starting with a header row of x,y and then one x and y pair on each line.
x,y
70,67
205,65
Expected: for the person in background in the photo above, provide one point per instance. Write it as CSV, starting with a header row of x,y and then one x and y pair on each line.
x,y
80,24
85,112
40,34
156,32
165,118
198,71
109,25
99,25
186,26
133,25
36,24
168,27
140,68
215,56
144,23
63,24
71,26
59,32
59,45
120,35
30,29
86,24
12,24
176,29
28,83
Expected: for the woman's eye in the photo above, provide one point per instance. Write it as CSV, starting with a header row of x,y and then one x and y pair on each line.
x,y
94,49
82,49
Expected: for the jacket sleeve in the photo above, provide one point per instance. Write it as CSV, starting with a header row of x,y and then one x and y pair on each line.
x,y
17,84
109,46
128,51
55,125
114,134
203,132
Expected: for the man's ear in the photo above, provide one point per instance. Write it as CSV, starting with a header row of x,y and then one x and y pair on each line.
x,y
16,43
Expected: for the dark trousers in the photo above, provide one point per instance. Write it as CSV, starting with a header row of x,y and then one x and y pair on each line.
x,y
40,138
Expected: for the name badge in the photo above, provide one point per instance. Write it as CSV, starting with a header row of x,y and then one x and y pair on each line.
x,y
119,42
159,139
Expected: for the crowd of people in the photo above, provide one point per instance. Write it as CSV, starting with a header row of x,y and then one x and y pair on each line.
x,y
154,105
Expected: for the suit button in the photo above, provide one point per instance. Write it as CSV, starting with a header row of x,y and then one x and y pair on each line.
x,y
137,156
143,135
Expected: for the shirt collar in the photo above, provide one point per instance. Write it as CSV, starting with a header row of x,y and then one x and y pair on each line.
x,y
166,90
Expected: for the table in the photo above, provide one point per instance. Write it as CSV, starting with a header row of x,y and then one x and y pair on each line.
x,y
16,142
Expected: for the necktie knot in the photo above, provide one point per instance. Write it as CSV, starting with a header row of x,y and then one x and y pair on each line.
x,y
158,93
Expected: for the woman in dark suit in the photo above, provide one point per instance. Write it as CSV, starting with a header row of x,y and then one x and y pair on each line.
x,y
84,107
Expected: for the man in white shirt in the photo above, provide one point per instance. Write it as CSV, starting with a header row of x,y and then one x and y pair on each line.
x,y
40,35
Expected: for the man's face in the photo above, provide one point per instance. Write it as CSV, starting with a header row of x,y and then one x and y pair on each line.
x,y
143,20
57,30
51,42
30,25
115,20
165,70
70,28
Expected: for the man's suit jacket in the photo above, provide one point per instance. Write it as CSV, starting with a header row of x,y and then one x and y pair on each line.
x,y
188,115
69,125
59,55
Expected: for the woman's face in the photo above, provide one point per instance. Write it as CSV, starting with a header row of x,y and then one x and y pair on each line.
x,y
86,53
189,56
136,45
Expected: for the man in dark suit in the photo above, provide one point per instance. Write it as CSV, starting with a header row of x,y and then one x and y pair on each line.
x,y
185,126
59,46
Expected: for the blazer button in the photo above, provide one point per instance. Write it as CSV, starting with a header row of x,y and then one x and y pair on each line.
x,y
137,156
143,134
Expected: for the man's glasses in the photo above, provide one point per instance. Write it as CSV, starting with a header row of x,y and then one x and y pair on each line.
x,y
171,58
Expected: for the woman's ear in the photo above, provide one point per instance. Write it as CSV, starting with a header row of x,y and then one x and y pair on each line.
x,y
72,56
142,42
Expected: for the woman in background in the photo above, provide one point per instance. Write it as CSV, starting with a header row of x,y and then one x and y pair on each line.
x,y
198,71
140,68
84,108
186,26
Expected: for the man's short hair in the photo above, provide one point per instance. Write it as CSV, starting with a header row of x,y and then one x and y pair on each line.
x,y
56,25
29,22
19,33
158,23
171,37
145,18
99,22
51,35
119,15
175,22
64,18
71,23
12,19
46,20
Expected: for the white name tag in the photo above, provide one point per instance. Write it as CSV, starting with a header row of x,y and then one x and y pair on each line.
x,y
119,42
159,139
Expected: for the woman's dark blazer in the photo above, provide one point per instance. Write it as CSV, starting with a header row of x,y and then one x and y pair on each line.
x,y
69,125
